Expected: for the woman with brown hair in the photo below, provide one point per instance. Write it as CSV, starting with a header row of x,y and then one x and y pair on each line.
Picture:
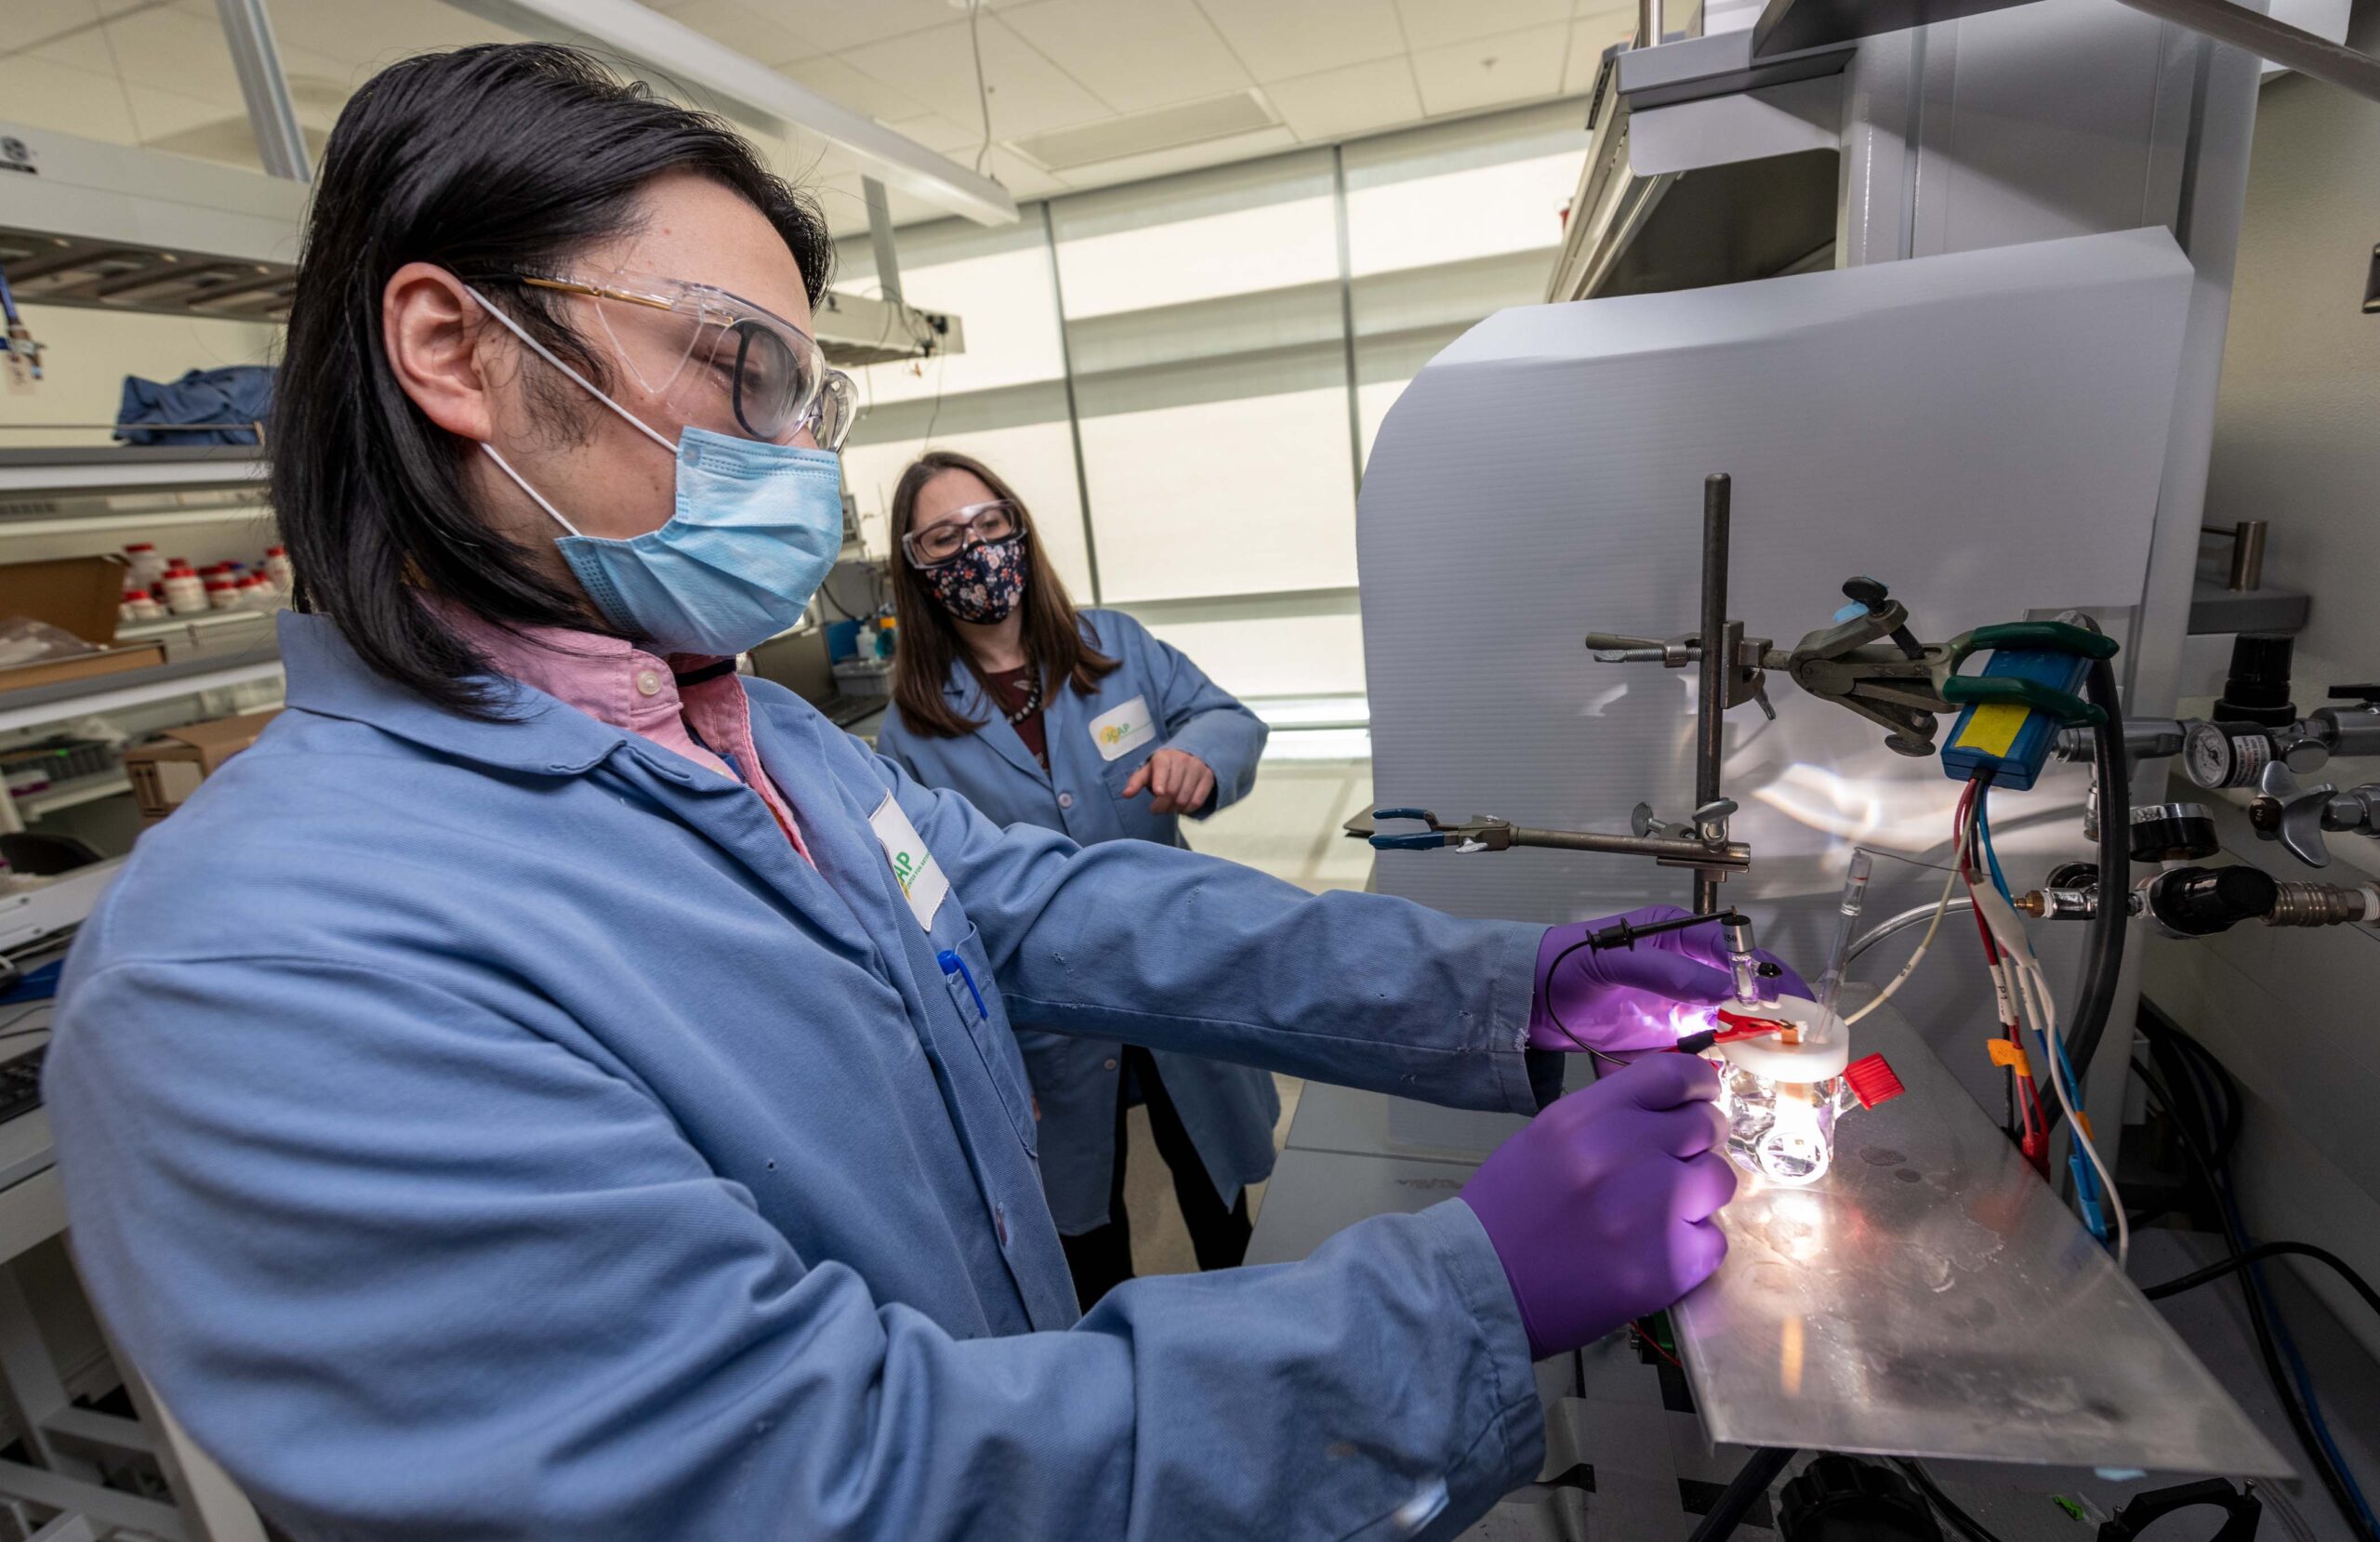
x,y
1078,722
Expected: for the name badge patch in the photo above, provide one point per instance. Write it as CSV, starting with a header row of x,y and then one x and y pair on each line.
x,y
1120,733
923,882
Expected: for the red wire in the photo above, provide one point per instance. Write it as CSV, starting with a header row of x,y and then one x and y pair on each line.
x,y
2034,1137
1654,1344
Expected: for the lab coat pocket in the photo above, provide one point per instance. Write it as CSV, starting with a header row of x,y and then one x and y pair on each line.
x,y
966,975
1136,813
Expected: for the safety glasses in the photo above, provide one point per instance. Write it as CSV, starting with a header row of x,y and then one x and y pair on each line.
x,y
715,359
976,524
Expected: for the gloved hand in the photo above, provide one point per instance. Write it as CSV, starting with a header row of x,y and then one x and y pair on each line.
x,y
1600,1210
1620,1000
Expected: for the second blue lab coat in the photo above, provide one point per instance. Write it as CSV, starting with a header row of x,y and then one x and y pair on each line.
x,y
497,1131
1228,1109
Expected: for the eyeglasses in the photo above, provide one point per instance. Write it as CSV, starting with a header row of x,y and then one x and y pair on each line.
x,y
717,360
977,524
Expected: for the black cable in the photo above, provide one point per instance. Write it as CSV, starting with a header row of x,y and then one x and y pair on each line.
x,y
2109,919
1752,1481
1622,935
1961,1522
2258,1252
2282,1386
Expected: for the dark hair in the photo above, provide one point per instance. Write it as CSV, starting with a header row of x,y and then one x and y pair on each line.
x,y
490,161
1056,641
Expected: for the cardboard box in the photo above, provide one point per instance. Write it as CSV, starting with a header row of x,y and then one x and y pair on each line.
x,y
167,769
79,595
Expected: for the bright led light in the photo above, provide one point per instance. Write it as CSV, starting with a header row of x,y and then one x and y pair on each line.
x,y
1785,1133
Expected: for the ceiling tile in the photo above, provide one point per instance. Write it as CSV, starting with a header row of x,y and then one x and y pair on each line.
x,y
937,69
835,26
750,29
1433,24
1515,67
1336,103
1590,35
64,100
943,135
1165,163
176,52
856,89
1279,38
1132,54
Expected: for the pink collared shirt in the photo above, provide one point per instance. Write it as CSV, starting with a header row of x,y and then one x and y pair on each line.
x,y
618,683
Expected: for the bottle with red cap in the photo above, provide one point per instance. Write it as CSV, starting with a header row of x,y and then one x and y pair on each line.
x,y
185,591
138,606
146,565
278,569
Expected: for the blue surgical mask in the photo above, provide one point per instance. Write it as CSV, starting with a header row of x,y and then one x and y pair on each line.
x,y
756,530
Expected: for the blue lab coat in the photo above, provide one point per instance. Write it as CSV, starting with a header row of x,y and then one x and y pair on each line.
x,y
1228,1109
497,1131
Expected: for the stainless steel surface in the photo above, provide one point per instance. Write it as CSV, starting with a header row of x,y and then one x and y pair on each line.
x,y
2267,37
1791,26
2215,610
2247,557
1650,26
1914,915
273,117
1718,663
1930,1297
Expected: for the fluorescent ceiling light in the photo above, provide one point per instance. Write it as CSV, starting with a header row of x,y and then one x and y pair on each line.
x,y
676,52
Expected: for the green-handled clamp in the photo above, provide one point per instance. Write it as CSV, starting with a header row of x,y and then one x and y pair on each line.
x,y
2053,637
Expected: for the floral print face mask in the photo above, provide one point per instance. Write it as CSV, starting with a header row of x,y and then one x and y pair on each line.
x,y
983,583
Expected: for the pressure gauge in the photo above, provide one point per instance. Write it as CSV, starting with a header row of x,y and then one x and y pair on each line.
x,y
2213,756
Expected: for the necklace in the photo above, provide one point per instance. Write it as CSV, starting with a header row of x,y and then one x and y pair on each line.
x,y
1032,697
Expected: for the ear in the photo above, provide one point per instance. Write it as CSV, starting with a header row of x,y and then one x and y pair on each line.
x,y
437,341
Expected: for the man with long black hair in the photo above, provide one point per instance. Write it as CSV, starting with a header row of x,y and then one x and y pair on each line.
x,y
552,1087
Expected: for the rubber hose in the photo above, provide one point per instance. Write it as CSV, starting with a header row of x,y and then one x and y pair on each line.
x,y
1759,1471
2106,956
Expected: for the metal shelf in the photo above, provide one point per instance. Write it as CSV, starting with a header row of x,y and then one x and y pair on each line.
x,y
49,704
128,469
66,795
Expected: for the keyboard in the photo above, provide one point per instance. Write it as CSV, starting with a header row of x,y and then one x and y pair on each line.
x,y
21,1084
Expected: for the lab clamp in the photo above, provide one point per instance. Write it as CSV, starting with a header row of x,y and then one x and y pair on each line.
x,y
1787,1067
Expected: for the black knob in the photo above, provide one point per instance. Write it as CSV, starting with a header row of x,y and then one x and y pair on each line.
x,y
1844,1500
2199,902
2256,690
2172,832
1870,592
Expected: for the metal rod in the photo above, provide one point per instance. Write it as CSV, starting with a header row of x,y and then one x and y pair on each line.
x,y
1711,711
273,117
2247,556
1733,855
1648,23
880,240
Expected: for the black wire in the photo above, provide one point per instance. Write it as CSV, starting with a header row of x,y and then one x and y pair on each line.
x,y
1622,935
2282,1386
2108,920
1961,1522
1751,1482
2260,1252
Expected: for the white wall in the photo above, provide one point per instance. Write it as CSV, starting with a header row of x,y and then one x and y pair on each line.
x,y
2297,443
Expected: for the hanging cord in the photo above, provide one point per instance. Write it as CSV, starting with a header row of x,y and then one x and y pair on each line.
x,y
982,92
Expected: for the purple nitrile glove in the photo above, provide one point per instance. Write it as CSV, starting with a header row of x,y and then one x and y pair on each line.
x,y
1600,1209
1620,1000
